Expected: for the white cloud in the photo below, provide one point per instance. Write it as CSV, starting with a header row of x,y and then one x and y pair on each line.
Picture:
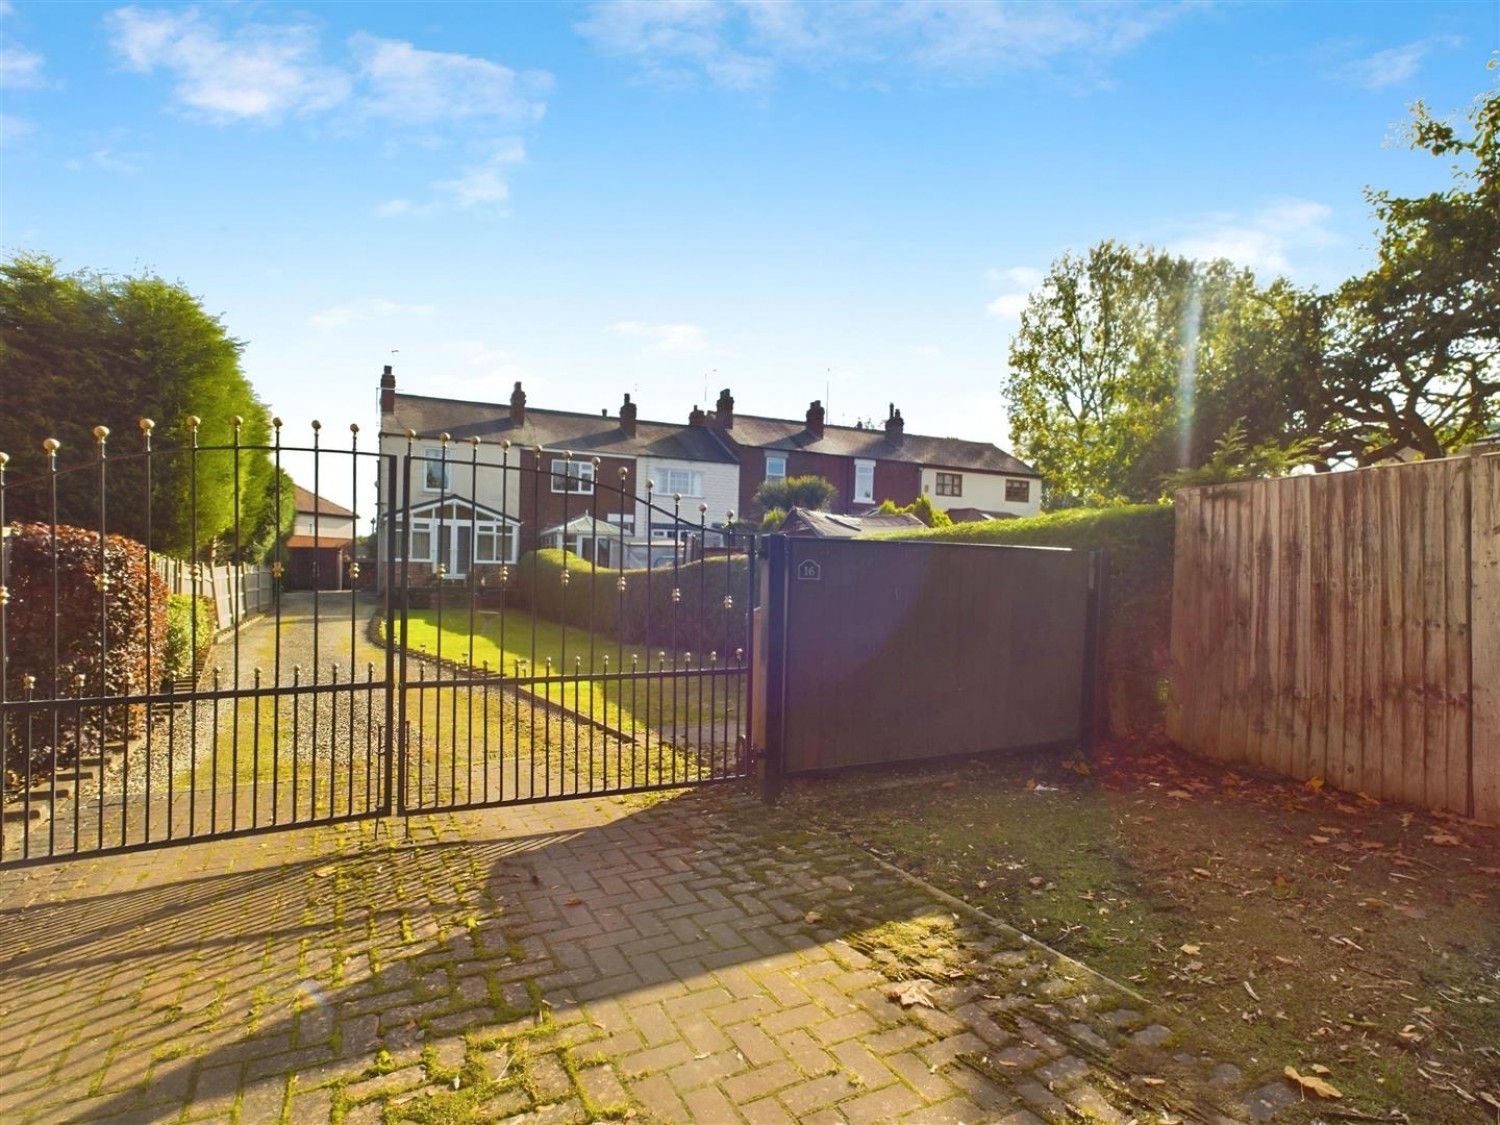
x,y
484,183
1393,65
1019,281
742,44
1266,240
665,339
370,309
108,160
401,82
265,72
258,71
20,69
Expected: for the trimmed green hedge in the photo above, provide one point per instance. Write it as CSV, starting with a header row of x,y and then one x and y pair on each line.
x,y
644,613
177,655
1138,621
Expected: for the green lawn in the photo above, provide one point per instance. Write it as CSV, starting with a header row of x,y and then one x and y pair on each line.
x,y
529,643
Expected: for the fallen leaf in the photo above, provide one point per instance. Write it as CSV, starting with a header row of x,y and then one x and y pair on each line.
x,y
574,902
1153,1081
1319,1068
1309,1083
1315,783
1444,839
1318,839
1190,950
1491,1100
324,872
1251,991
812,917
1180,794
1203,873
912,994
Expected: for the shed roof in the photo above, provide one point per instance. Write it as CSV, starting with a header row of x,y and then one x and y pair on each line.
x,y
802,523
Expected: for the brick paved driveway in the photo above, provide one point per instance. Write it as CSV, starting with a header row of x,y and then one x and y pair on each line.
x,y
694,958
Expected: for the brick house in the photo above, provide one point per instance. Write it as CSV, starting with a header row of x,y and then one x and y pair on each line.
x,y
509,478
869,465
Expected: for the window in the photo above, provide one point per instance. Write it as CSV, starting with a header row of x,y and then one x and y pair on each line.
x,y
460,538
1017,491
683,482
495,544
775,468
435,474
864,482
950,484
572,476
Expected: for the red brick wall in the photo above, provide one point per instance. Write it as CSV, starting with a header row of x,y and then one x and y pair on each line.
x,y
897,481
542,508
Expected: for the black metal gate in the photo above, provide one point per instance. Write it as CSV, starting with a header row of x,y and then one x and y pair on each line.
x,y
147,701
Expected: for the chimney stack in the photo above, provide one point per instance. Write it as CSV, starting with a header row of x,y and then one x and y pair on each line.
x,y
387,391
697,417
895,427
518,406
627,417
815,419
724,411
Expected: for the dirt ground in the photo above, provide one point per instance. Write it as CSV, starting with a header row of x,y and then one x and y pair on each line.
x,y
1353,940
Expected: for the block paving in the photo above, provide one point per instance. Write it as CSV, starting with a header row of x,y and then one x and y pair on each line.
x,y
688,958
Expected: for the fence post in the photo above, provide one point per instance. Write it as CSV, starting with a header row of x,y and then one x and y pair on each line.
x,y
771,764
1093,719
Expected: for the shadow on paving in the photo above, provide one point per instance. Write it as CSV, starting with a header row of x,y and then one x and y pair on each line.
x,y
678,958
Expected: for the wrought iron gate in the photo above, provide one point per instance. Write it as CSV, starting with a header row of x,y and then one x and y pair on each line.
x,y
454,666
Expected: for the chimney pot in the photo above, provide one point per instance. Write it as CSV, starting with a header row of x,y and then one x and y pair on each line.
x,y
697,417
724,410
387,391
895,427
815,418
518,405
627,417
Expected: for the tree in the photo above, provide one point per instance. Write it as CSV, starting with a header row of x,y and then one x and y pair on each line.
x,y
83,349
1132,363
796,492
1413,347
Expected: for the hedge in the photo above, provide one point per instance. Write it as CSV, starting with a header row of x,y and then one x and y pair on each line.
x,y
29,627
1138,619
646,614
177,653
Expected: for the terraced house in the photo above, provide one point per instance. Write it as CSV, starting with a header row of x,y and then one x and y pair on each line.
x,y
510,478
968,479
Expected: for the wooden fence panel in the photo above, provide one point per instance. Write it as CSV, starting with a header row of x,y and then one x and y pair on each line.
x,y
1346,626
1484,618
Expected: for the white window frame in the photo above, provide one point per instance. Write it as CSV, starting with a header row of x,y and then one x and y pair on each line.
x,y
775,467
436,472
957,488
864,472
665,484
581,472
504,534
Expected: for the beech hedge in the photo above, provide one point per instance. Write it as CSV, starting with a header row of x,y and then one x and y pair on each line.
x,y
32,613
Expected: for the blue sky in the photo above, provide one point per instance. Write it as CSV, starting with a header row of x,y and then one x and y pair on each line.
x,y
794,200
